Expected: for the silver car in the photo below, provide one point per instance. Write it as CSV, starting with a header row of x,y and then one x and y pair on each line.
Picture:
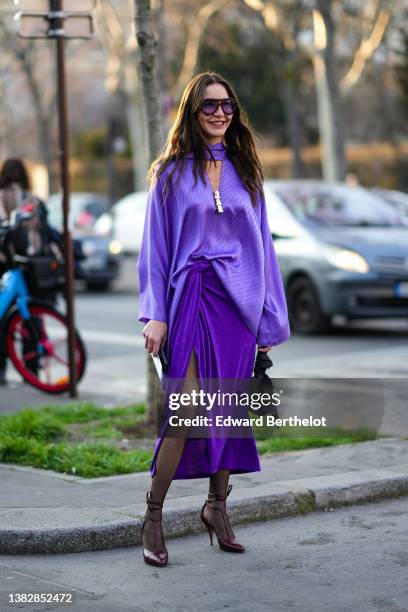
x,y
397,199
342,251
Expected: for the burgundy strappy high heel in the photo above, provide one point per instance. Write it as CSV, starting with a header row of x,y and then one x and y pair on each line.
x,y
228,544
158,557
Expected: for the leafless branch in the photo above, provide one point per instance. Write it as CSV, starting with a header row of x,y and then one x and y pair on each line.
x,y
196,26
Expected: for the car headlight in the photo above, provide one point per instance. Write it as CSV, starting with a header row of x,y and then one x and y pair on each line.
x,y
115,247
346,259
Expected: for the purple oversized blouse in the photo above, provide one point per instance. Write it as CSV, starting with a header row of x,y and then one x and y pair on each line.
x,y
184,225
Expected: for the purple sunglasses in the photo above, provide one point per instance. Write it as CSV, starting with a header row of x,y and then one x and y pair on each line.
x,y
210,106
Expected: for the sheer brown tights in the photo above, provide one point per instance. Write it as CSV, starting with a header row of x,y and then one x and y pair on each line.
x,y
168,458
171,449
220,521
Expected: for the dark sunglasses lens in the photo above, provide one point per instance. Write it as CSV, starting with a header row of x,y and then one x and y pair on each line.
x,y
209,107
229,107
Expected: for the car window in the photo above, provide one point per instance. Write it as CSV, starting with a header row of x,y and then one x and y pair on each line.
x,y
131,204
396,199
281,222
96,209
348,207
84,211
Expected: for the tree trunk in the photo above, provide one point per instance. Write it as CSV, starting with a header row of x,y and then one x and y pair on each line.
x,y
7,140
151,95
325,8
294,129
136,120
148,73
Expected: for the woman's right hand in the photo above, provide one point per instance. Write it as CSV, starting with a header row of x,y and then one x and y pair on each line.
x,y
155,334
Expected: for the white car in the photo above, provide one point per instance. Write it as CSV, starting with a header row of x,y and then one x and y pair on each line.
x,y
125,222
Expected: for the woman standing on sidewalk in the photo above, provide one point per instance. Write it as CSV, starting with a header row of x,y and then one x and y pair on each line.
x,y
210,288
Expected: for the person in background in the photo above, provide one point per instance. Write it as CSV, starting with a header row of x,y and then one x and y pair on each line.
x,y
35,235
14,186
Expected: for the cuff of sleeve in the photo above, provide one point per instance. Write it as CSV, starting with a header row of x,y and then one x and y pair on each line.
x,y
153,316
270,339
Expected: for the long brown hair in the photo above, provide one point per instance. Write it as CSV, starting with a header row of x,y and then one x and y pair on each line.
x,y
186,135
14,171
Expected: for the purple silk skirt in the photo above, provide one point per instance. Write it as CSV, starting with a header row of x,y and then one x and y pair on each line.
x,y
208,321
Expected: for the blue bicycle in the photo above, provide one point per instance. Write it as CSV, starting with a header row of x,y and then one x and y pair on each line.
x,y
33,333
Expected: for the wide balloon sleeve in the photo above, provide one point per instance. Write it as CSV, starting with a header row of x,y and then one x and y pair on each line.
x,y
153,261
273,326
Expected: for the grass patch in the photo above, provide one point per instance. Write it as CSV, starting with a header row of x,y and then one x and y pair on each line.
x,y
84,412
90,441
287,441
66,439
87,460
40,425
301,438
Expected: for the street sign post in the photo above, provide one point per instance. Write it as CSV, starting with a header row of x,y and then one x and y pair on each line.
x,y
43,6
61,19
36,25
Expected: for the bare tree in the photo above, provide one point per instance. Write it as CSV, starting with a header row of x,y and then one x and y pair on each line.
x,y
148,72
284,20
119,44
326,75
26,55
196,25
370,21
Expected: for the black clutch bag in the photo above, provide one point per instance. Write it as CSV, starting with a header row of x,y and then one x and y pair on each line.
x,y
261,383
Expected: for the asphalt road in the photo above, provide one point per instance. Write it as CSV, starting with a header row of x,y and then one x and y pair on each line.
x,y
116,313
349,559
109,322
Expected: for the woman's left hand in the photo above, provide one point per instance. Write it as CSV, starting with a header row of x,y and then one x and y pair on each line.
x,y
264,349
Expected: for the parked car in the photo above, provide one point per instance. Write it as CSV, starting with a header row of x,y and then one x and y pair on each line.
x,y
101,263
342,250
124,223
85,209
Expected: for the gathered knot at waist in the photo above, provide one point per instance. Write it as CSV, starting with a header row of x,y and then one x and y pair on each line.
x,y
201,263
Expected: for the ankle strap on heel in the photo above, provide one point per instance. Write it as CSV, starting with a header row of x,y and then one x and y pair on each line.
x,y
218,496
153,507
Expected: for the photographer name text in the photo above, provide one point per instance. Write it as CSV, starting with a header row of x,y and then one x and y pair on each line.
x,y
229,421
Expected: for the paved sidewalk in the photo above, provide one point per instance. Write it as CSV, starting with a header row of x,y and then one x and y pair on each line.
x,y
108,382
49,512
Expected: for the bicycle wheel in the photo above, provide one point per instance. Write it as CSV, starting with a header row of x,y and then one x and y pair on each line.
x,y
39,348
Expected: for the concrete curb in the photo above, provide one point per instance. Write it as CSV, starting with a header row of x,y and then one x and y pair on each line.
x,y
87,529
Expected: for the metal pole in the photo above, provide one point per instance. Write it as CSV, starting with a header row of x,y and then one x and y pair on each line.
x,y
57,24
